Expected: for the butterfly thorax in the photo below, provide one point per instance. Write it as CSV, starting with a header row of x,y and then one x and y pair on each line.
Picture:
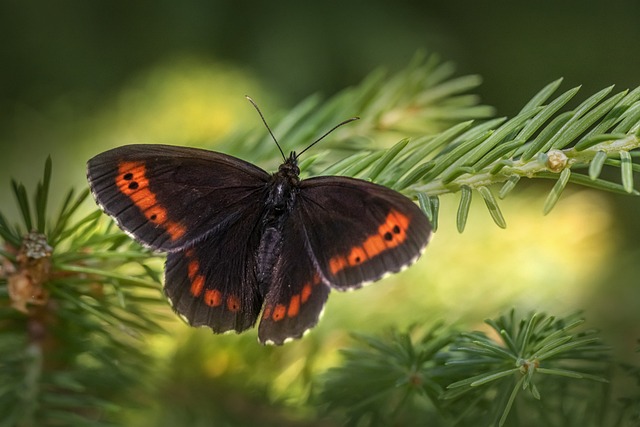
x,y
283,187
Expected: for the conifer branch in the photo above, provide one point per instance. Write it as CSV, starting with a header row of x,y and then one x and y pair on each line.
x,y
74,304
441,141
549,367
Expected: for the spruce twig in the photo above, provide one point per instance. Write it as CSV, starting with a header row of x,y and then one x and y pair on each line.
x,y
542,141
469,378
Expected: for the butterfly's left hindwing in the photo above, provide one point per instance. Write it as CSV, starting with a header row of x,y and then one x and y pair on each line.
x,y
296,294
170,197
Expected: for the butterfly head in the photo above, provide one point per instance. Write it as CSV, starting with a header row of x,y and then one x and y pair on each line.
x,y
289,169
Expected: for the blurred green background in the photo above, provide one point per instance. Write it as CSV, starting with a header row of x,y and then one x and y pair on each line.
x,y
78,77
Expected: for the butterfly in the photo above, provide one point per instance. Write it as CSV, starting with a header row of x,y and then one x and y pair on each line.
x,y
243,244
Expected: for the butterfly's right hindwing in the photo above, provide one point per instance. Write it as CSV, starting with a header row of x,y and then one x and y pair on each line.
x,y
214,283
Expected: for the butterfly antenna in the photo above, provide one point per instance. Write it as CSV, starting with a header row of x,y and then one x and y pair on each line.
x,y
266,125
327,133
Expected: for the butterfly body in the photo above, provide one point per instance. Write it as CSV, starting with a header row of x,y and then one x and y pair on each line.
x,y
245,245
281,191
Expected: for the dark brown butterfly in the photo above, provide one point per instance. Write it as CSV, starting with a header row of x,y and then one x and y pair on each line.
x,y
244,244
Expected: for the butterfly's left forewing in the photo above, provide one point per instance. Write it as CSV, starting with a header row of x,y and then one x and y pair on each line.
x,y
358,231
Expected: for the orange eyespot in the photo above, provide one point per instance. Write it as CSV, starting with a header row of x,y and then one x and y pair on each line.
x,y
133,183
391,233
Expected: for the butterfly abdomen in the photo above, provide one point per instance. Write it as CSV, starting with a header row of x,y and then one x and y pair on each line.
x,y
267,255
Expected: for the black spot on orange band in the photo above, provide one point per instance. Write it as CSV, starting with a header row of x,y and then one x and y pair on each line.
x,y
279,312
212,297
233,303
391,233
133,183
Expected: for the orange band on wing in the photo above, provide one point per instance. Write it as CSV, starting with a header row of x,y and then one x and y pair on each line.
x,y
391,233
233,303
294,306
279,312
197,285
292,309
133,183
306,292
197,280
212,297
